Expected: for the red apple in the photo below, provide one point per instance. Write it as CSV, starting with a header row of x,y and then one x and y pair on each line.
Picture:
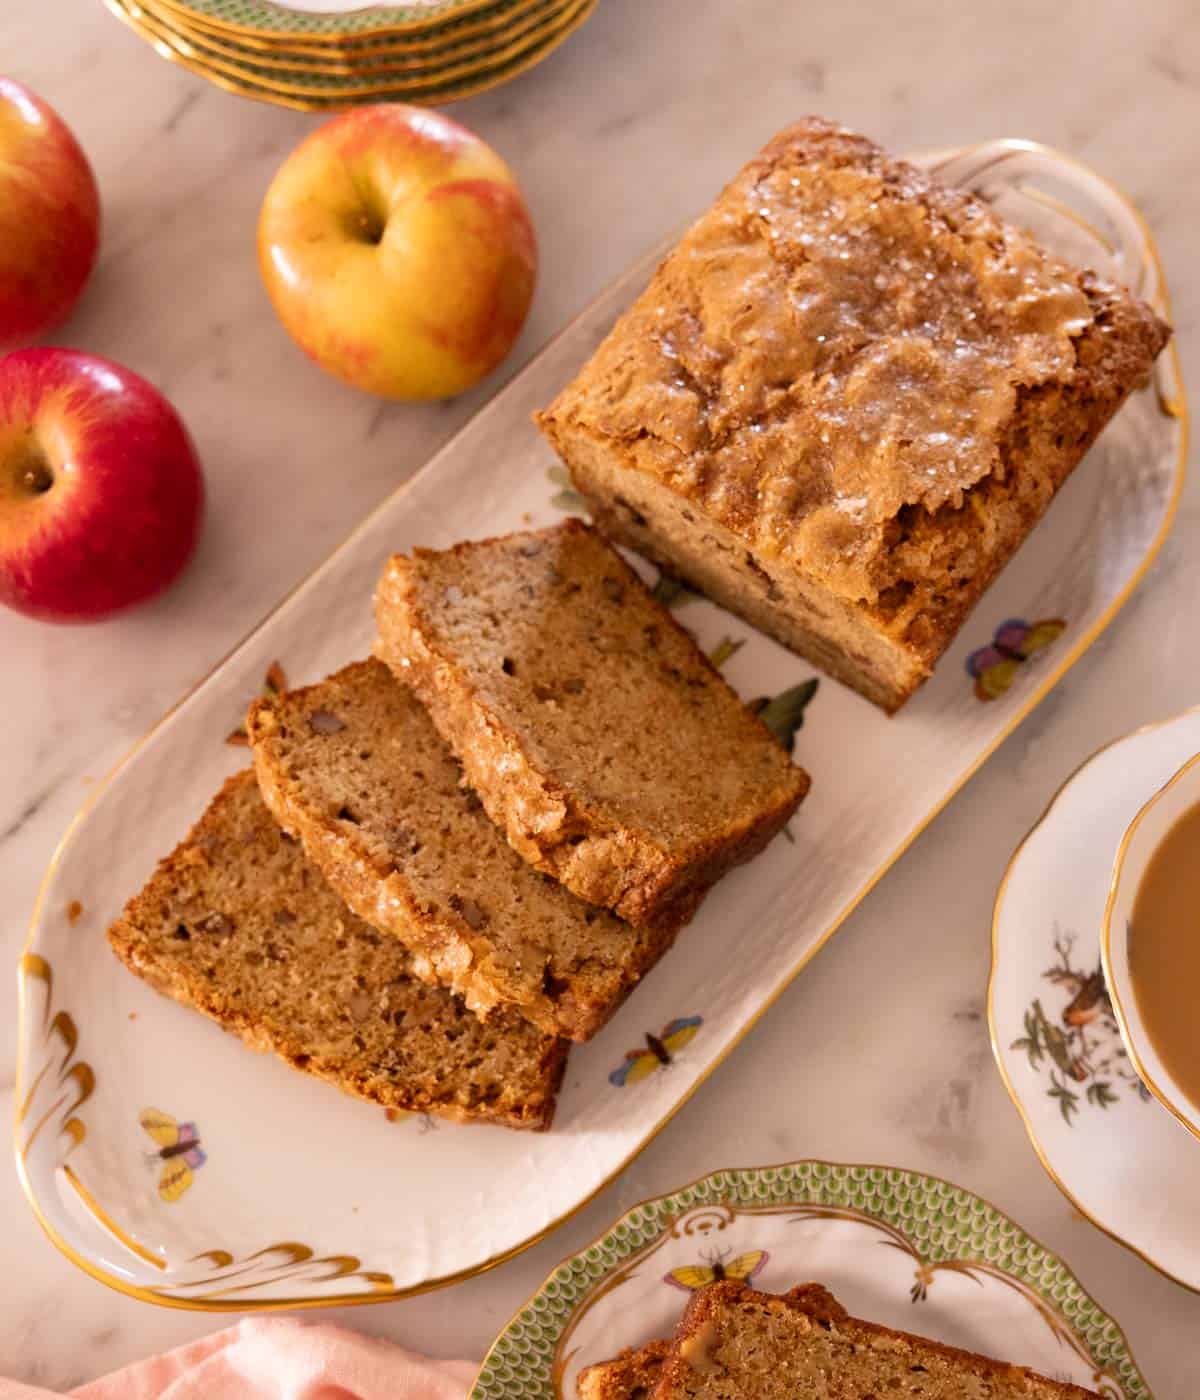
x,y
49,217
398,252
100,490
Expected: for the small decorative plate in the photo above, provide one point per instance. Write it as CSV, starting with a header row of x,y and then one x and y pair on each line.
x,y
478,23
335,21
364,63
297,1195
893,1246
430,79
437,68
1115,1152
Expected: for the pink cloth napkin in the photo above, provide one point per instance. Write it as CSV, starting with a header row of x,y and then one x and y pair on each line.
x,y
276,1359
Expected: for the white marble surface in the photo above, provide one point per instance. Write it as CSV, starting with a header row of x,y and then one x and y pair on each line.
x,y
879,1052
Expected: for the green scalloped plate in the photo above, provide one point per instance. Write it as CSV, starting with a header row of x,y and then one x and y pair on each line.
x,y
364,58
555,19
895,1246
333,91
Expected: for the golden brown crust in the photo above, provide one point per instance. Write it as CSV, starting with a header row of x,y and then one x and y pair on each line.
x,y
630,1376
378,802
536,654
236,924
869,381
736,1342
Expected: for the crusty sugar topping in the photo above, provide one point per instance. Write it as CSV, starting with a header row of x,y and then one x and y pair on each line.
x,y
838,338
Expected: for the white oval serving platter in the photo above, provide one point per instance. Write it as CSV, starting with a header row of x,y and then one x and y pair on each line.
x,y
307,1198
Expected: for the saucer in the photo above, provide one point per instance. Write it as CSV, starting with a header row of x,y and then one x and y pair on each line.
x,y
1115,1152
898,1247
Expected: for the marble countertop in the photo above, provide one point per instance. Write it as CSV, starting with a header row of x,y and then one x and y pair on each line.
x,y
879,1052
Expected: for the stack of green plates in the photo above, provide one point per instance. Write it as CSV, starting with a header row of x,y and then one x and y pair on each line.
x,y
327,54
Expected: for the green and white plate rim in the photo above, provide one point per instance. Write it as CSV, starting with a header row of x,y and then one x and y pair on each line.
x,y
336,19
367,57
335,90
305,1198
895,1246
443,79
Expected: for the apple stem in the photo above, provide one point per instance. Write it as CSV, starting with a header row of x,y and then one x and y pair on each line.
x,y
34,475
371,227
369,220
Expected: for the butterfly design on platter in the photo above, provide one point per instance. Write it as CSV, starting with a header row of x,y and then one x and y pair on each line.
x,y
177,1148
995,666
783,714
658,1052
744,1268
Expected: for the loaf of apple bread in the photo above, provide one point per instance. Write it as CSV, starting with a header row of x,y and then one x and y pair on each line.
x,y
844,400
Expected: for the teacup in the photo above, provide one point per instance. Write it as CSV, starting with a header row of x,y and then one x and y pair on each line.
x,y
1142,991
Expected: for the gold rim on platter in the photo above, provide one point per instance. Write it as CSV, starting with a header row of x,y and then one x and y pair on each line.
x,y
1106,955
177,50
993,1029
534,16
354,56
420,29
1176,407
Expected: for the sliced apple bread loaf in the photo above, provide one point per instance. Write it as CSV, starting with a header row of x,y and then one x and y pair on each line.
x,y
734,1343
237,924
354,767
595,731
634,1374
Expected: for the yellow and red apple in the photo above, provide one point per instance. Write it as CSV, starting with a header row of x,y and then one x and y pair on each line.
x,y
398,252
101,495
49,217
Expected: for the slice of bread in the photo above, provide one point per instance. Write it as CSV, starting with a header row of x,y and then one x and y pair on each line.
x,y
734,1343
596,732
355,768
237,924
634,1374
630,1376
